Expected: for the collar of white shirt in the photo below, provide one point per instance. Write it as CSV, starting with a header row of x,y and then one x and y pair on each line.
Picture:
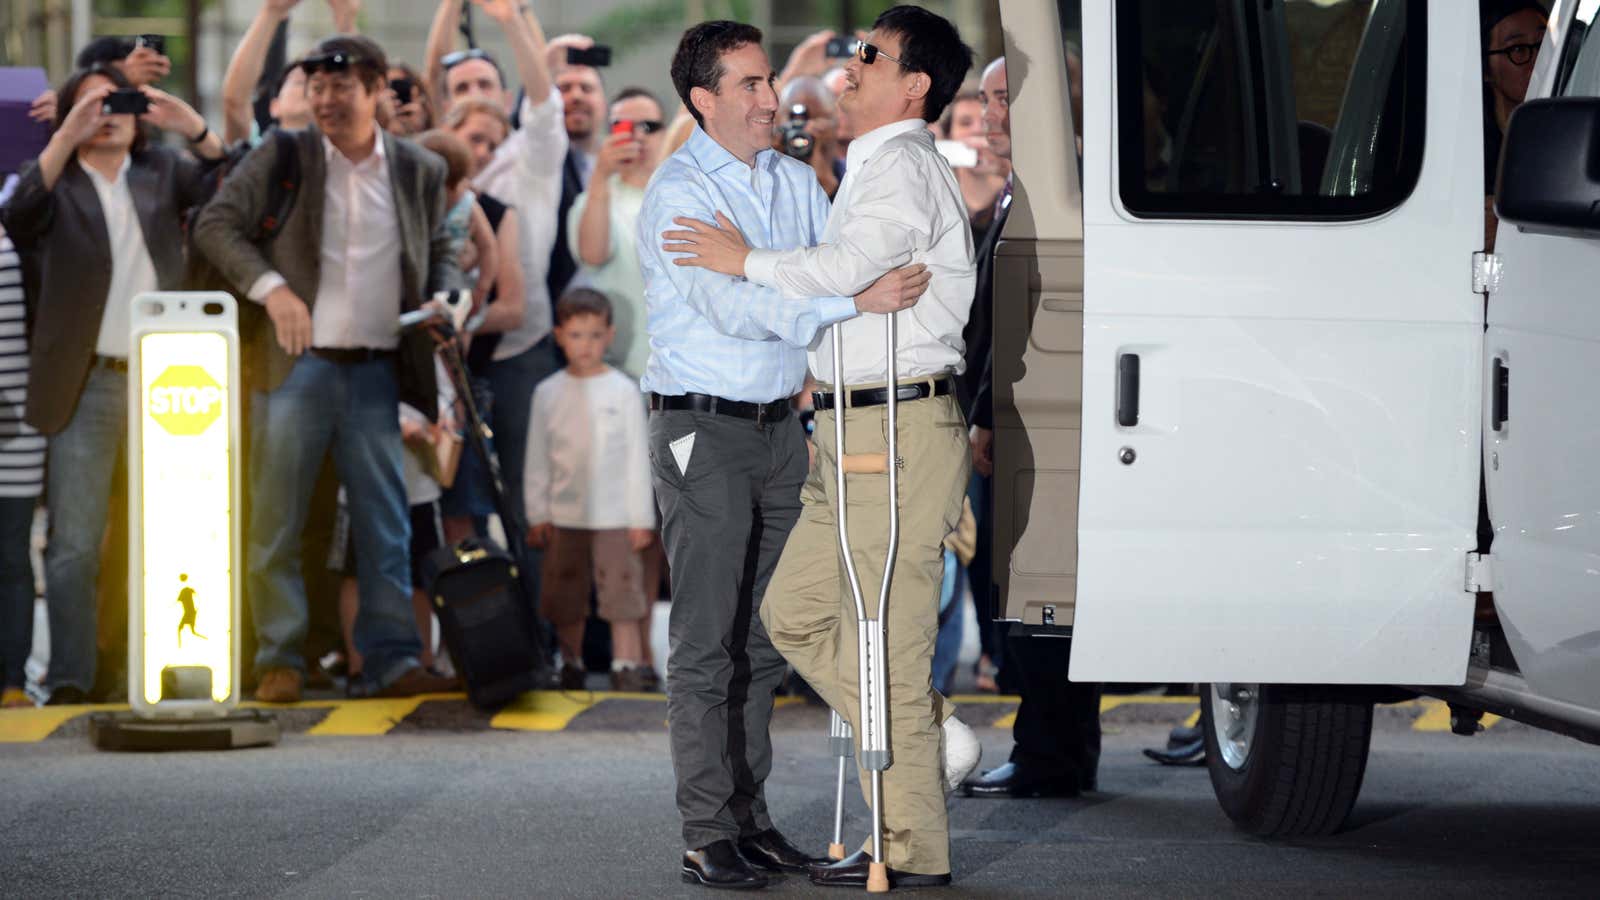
x,y
378,154
863,147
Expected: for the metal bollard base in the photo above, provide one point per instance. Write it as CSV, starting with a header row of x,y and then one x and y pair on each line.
x,y
124,731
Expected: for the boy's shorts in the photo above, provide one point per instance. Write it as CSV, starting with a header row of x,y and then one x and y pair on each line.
x,y
579,559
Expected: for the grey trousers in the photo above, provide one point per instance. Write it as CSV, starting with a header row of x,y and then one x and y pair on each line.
x,y
729,493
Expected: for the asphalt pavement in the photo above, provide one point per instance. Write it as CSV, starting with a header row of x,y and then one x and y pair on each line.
x,y
440,807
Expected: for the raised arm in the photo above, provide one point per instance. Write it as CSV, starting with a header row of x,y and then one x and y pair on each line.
x,y
527,43
441,37
244,70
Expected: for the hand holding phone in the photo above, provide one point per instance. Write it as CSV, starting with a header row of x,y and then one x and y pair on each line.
x,y
598,56
126,101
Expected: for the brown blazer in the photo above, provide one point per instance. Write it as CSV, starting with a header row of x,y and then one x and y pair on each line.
x,y
63,232
226,224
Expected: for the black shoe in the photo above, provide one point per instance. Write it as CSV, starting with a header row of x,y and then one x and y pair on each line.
x,y
67,695
1190,754
718,865
1010,780
853,869
1184,735
771,851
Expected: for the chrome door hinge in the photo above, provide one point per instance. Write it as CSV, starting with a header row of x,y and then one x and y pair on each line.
x,y
1480,573
1486,271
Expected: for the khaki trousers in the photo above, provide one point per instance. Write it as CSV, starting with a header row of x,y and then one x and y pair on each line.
x,y
811,618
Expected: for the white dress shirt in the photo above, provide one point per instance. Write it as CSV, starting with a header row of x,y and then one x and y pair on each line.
x,y
359,284
898,204
588,462
525,174
132,272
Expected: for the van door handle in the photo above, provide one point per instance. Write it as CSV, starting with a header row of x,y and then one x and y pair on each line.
x,y
1500,398
1128,390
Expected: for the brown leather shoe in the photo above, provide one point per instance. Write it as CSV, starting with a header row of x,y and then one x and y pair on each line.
x,y
416,681
280,686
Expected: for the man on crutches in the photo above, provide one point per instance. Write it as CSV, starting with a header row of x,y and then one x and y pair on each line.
x,y
899,203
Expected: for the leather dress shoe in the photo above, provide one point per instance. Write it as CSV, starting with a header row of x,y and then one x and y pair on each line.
x,y
770,850
719,865
1010,780
853,869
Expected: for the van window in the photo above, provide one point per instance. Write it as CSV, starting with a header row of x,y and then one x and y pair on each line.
x,y
1579,75
1269,109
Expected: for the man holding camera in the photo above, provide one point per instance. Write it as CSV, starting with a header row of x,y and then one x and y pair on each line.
x,y
807,130
365,241
97,211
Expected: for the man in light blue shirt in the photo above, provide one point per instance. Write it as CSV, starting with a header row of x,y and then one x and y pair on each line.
x,y
727,456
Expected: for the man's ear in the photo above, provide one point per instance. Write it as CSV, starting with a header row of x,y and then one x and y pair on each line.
x,y
918,85
703,101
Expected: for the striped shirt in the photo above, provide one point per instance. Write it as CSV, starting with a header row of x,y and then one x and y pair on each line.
x,y
21,448
710,333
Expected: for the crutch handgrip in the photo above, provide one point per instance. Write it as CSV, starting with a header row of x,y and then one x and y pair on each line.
x,y
866,463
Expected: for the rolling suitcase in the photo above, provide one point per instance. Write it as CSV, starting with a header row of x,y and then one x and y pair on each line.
x,y
486,595
486,621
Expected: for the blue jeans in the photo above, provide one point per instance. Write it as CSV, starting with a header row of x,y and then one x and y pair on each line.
x,y
82,458
354,407
947,647
511,382
16,589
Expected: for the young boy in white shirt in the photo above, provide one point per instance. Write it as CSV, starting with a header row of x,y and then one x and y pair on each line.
x,y
587,488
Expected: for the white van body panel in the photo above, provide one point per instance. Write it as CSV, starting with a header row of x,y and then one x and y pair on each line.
x,y
1307,457
1544,489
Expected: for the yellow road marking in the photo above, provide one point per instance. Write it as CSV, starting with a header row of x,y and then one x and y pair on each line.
x,y
1005,721
26,726
366,717
1193,720
1436,717
543,710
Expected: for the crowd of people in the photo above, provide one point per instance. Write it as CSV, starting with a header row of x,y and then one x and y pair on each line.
x,y
539,194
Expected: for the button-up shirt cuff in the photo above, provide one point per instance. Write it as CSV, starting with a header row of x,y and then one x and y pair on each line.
x,y
266,284
761,267
834,309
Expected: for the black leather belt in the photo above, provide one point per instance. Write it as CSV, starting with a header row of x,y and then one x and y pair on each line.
x,y
760,413
351,354
110,363
879,396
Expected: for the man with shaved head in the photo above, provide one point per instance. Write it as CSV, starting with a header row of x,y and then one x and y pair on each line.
x,y
821,115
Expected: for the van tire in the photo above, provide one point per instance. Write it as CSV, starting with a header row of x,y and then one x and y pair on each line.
x,y
1306,759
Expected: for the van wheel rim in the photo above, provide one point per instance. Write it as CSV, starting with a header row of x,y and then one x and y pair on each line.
x,y
1233,717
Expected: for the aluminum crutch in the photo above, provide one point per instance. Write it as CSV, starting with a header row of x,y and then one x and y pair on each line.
x,y
840,739
875,755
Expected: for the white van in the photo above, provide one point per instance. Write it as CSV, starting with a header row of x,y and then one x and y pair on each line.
x,y
1254,374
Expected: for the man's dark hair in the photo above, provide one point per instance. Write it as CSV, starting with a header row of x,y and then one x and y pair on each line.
x,y
104,50
628,93
367,59
67,95
582,302
931,45
1492,12
697,63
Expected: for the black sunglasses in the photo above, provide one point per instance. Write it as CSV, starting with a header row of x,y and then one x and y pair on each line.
x,y
642,126
332,63
868,53
1519,54
451,60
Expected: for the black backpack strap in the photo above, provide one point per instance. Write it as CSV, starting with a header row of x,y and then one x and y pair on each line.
x,y
285,184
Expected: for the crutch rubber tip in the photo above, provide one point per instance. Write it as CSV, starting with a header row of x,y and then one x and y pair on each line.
x,y
836,851
878,878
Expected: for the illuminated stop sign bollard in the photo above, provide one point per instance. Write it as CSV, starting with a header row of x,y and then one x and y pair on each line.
x,y
185,559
